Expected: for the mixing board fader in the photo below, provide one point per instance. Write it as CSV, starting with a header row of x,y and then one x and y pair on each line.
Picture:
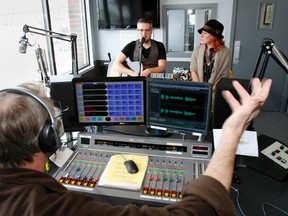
x,y
85,168
172,163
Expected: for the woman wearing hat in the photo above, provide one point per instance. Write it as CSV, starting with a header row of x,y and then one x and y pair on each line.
x,y
210,61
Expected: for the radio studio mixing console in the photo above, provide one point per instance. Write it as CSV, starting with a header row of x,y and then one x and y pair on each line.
x,y
172,163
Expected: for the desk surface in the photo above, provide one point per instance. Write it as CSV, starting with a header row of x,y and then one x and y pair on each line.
x,y
256,188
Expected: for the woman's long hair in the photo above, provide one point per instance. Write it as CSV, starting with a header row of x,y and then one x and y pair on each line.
x,y
217,44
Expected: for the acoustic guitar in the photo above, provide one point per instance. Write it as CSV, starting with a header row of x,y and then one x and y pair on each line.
x,y
135,66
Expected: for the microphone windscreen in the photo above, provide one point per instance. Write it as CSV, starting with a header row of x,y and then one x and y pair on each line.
x,y
22,46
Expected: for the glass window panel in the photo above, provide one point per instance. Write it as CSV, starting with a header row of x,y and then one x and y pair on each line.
x,y
68,16
18,67
181,28
182,21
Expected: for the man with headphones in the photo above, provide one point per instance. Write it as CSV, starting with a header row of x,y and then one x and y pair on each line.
x,y
29,134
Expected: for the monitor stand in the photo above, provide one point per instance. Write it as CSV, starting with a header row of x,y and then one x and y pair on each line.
x,y
99,129
157,132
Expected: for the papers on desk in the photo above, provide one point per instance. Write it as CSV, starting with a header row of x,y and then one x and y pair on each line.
x,y
248,145
116,175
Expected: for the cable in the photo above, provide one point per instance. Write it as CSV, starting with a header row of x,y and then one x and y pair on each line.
x,y
263,204
122,157
264,212
237,200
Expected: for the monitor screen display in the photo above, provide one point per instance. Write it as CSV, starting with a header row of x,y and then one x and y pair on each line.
x,y
124,14
178,106
113,101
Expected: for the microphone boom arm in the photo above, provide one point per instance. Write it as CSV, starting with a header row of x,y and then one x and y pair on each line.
x,y
269,49
69,38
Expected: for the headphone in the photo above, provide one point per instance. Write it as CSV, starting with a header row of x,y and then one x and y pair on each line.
x,y
49,139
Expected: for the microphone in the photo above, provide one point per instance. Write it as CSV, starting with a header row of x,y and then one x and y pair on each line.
x,y
23,44
42,63
142,42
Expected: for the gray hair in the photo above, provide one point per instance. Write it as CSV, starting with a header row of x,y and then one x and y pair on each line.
x,y
21,121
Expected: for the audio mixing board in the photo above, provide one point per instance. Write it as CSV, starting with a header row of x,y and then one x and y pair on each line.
x,y
172,163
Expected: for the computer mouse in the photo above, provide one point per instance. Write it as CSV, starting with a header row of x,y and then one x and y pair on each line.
x,y
131,166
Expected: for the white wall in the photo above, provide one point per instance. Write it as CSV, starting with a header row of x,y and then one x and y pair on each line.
x,y
112,41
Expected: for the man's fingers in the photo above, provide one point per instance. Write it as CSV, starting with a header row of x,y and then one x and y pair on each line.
x,y
260,90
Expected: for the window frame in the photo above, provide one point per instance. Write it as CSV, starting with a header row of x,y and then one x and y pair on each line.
x,y
85,19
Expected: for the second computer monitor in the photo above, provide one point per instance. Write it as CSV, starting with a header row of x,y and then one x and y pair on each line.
x,y
179,106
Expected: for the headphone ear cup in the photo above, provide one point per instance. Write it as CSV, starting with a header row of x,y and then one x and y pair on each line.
x,y
47,138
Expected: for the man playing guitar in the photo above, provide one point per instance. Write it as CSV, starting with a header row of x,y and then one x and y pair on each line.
x,y
150,53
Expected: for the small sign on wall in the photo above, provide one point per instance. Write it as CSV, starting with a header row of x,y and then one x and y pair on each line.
x,y
265,15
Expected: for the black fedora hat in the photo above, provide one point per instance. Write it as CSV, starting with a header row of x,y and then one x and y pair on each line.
x,y
213,27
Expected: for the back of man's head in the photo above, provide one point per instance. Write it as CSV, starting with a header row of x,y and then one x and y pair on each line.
x,y
21,121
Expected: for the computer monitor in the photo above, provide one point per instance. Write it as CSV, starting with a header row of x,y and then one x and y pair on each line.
x,y
110,101
179,106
